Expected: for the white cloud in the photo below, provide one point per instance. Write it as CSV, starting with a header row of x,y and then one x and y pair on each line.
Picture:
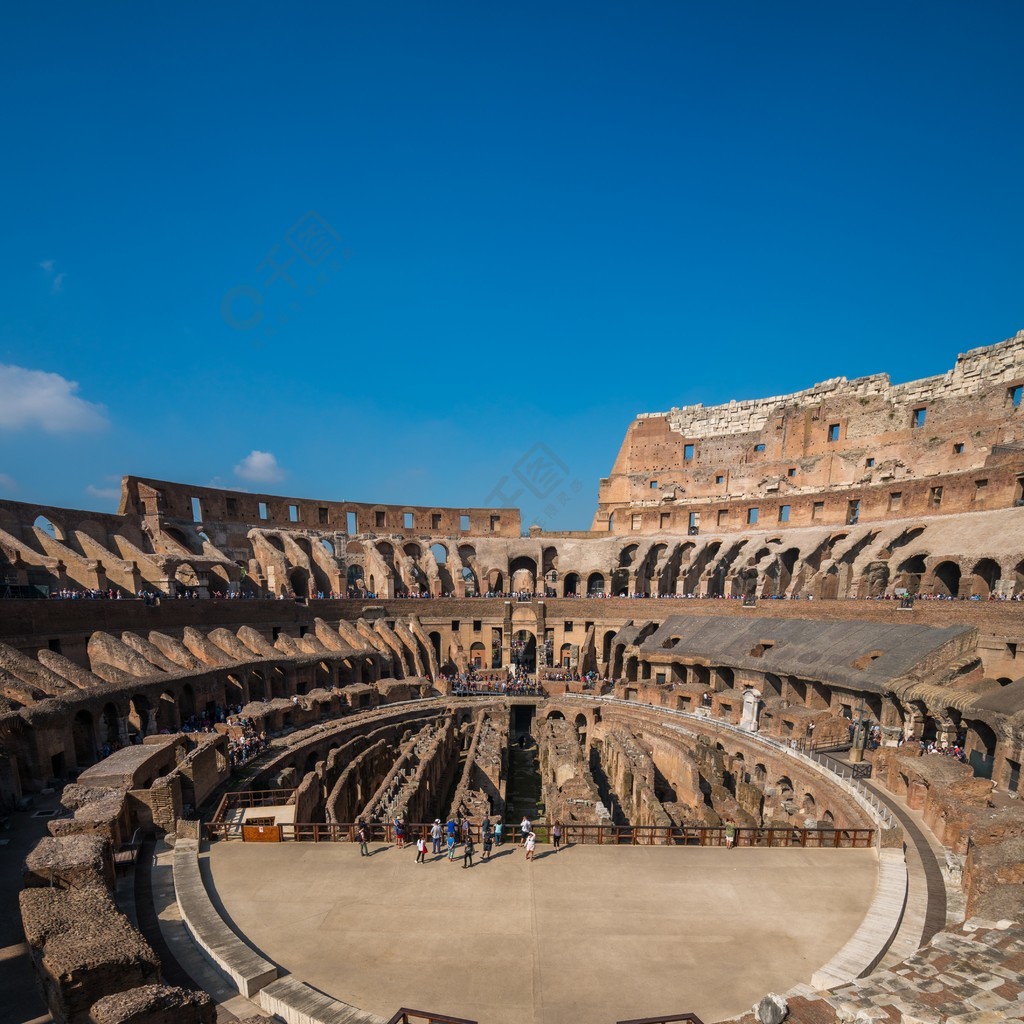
x,y
7,483
49,267
261,467
106,493
47,400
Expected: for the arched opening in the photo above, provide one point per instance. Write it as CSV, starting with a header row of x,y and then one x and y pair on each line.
x,y
981,746
909,573
278,683
110,734
606,645
522,573
476,655
49,527
83,732
524,650
435,642
581,729
138,715
440,553
564,654
234,692
495,582
299,580
257,686
595,585
571,584
947,579
186,576
187,703
986,575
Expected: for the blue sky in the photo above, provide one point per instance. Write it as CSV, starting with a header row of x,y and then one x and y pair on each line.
x,y
493,228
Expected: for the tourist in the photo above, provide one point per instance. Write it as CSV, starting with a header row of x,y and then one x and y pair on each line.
x,y
421,850
556,834
467,853
450,829
451,846
730,835
435,836
362,834
399,833
525,826
498,827
488,842
530,842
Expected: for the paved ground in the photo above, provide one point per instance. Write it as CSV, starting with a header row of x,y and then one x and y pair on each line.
x,y
21,1001
591,933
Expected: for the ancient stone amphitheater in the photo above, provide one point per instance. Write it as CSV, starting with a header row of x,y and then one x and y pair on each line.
x,y
794,623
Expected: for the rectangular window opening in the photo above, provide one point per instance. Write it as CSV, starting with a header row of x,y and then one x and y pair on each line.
x,y
784,513
935,496
895,500
752,514
351,523
758,447
723,516
407,520
197,511
818,510
958,448
323,516
263,510
833,431
637,521
869,463
379,519
654,485
918,417
496,522
464,523
719,479
232,506
666,520
791,471
293,513
435,520
1014,394
687,453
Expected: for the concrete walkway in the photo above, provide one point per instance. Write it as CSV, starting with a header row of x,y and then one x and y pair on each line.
x,y
591,933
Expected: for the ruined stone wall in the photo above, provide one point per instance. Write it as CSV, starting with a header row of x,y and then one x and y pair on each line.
x,y
840,441
481,790
568,789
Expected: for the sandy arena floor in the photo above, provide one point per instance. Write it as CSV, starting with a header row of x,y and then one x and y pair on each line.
x,y
591,934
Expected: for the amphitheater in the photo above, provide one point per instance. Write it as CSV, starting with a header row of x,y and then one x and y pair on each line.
x,y
793,625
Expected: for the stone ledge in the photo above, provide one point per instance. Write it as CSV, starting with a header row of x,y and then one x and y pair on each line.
x,y
298,1003
868,944
246,968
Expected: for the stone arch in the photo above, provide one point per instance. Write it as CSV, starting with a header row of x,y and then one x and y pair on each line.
x,y
571,584
234,691
522,572
595,584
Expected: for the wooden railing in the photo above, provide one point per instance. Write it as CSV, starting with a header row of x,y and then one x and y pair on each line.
x,y
250,798
407,1016
691,1017
579,835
